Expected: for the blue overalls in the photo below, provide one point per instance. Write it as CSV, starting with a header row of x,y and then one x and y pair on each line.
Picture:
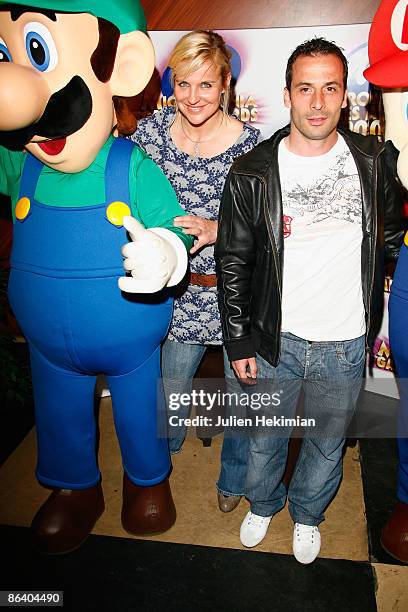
x,y
398,315
64,292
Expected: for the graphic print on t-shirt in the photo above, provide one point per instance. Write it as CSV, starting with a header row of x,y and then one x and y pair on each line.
x,y
334,195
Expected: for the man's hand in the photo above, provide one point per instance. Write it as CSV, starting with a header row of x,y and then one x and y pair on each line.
x,y
203,229
246,370
150,258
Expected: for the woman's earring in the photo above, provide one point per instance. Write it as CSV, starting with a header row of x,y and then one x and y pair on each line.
x,y
224,101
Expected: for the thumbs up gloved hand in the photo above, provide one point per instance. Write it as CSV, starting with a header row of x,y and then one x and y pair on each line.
x,y
156,258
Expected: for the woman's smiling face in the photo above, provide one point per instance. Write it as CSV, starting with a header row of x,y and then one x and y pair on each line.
x,y
198,94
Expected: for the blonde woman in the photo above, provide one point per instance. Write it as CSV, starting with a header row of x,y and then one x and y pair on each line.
x,y
195,145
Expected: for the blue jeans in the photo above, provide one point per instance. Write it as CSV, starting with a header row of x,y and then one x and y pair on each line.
x,y
180,362
234,453
330,374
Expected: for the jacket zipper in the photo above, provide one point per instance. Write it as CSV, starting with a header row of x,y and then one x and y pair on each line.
x,y
277,269
372,254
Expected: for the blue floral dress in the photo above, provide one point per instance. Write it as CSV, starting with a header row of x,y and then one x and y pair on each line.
x,y
198,183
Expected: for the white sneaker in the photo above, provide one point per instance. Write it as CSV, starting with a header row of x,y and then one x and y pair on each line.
x,y
253,529
306,543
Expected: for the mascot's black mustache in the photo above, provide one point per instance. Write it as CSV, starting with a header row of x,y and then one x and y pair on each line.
x,y
66,112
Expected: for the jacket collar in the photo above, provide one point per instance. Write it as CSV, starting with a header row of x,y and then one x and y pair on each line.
x,y
257,162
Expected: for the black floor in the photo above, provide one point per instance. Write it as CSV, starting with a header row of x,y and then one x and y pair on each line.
x,y
121,575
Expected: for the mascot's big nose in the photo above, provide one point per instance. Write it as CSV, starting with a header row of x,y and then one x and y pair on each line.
x,y
24,94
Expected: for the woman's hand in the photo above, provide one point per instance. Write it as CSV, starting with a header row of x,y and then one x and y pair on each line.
x,y
203,229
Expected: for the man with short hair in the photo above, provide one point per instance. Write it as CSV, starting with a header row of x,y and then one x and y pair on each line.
x,y
304,219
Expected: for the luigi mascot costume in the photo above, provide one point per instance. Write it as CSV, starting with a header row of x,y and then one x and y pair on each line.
x,y
77,195
388,52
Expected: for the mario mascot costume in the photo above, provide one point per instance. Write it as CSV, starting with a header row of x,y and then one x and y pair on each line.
x,y
388,52
75,190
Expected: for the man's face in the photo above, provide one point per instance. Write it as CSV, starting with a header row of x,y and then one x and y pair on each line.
x,y
316,96
40,57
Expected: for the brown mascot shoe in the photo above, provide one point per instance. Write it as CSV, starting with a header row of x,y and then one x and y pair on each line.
x,y
66,519
394,537
147,510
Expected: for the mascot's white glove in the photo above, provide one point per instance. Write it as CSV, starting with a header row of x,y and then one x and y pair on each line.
x,y
156,258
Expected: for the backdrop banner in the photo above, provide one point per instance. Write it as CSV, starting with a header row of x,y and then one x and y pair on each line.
x,y
258,73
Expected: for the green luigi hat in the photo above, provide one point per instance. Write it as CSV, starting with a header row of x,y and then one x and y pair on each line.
x,y
126,15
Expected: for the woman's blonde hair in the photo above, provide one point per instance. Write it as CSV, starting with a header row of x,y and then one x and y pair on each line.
x,y
198,47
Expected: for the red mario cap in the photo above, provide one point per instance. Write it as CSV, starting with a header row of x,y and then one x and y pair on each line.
x,y
388,45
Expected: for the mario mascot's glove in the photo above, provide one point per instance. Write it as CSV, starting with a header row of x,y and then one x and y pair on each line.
x,y
388,53
156,258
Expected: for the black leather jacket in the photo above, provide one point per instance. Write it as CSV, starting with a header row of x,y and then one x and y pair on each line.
x,y
249,248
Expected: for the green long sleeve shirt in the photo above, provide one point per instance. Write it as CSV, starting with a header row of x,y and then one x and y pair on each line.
x,y
153,201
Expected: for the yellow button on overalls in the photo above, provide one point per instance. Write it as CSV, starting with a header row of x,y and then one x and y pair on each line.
x,y
22,208
116,211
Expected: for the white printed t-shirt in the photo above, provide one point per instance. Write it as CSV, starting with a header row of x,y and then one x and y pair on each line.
x,y
322,296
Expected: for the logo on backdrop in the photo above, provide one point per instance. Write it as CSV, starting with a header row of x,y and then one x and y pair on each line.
x,y
387,284
364,104
382,354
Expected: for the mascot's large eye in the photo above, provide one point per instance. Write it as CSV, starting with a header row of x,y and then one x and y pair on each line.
x,y
4,52
40,46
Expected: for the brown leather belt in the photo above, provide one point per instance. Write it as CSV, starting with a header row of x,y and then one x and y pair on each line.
x,y
203,280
